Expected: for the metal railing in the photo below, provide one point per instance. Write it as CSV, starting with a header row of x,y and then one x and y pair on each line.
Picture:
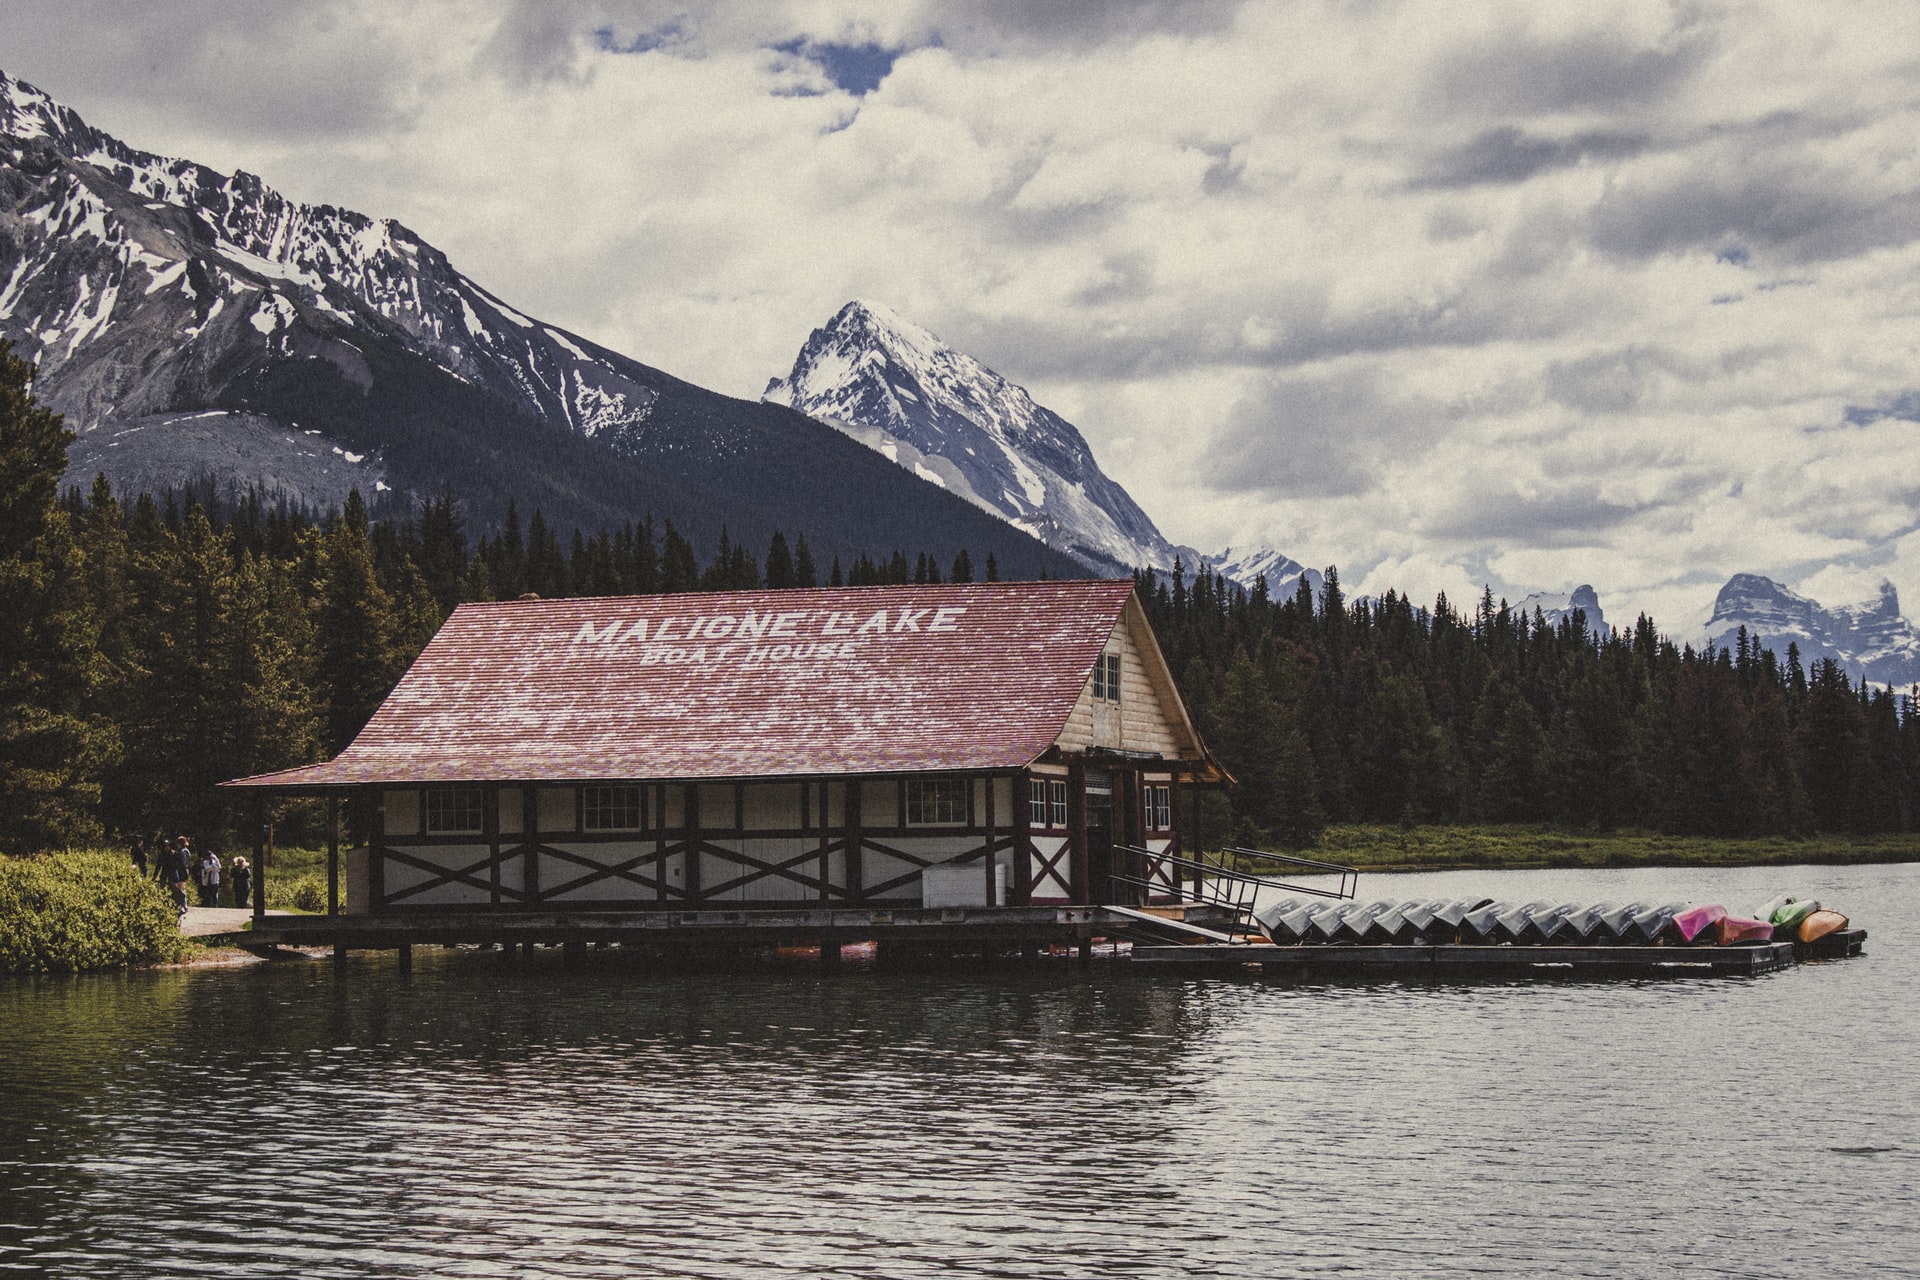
x,y
1223,885
1349,876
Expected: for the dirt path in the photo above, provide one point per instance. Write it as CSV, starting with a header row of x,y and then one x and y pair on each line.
x,y
201,921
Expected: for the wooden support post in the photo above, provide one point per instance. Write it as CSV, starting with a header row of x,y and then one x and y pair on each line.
x,y
1077,831
659,842
490,825
826,857
1175,798
573,953
333,856
404,954
856,888
259,858
1199,842
829,953
993,856
339,955
530,860
1023,838
692,806
376,856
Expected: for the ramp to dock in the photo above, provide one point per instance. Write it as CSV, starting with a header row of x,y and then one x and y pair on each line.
x,y
1148,922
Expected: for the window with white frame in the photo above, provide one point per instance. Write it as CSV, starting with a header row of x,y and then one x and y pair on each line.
x,y
611,808
1047,803
453,810
936,801
1106,678
1160,808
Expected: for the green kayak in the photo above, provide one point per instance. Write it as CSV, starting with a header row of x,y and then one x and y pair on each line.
x,y
1792,913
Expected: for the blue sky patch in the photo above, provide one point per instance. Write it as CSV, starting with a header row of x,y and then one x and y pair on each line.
x,y
645,42
857,69
1905,407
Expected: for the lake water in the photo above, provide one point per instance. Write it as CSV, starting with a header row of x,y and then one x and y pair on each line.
x,y
495,1119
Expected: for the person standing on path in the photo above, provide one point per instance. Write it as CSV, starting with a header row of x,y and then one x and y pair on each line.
x,y
175,870
242,881
139,855
210,879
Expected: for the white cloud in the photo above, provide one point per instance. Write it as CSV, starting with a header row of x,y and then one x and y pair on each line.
x,y
1523,294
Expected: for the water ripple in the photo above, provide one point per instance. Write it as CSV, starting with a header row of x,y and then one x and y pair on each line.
x,y
492,1120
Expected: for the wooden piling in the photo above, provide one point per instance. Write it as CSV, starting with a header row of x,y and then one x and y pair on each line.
x,y
333,855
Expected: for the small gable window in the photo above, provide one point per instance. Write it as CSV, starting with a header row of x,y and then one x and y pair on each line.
x,y
1106,677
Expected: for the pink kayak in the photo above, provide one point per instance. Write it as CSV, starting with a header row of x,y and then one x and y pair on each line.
x,y
1732,929
1694,920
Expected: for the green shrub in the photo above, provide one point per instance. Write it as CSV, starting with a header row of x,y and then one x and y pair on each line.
x,y
81,909
297,893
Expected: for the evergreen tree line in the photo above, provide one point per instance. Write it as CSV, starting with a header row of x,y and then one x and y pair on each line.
x,y
1378,711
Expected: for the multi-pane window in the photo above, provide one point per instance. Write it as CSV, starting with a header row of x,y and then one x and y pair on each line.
x,y
610,808
453,810
932,801
1159,808
1106,677
1047,803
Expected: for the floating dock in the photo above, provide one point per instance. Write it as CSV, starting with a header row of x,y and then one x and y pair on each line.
x,y
1464,961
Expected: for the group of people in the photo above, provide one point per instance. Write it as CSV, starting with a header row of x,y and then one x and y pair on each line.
x,y
176,864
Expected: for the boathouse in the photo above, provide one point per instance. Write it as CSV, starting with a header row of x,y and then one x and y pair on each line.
x,y
958,746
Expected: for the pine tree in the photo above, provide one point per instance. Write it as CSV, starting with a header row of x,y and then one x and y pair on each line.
x,y
804,574
54,743
780,569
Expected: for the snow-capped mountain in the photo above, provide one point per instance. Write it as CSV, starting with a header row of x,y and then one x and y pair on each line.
x,y
133,276
1871,640
194,325
951,420
1283,574
1556,608
942,414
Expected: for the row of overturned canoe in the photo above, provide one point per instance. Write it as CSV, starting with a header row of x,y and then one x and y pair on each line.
x,y
1485,922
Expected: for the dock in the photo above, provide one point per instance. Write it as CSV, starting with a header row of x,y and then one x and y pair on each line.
x,y
1468,961
958,929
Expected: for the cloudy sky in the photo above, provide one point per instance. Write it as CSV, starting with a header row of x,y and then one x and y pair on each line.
x,y
1519,294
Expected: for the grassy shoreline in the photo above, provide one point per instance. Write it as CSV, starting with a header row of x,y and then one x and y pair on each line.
x,y
1392,848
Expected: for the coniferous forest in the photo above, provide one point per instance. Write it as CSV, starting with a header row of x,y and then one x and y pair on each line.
x,y
152,648
1382,712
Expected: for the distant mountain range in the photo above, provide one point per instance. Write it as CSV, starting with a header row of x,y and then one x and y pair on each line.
x,y
948,418
197,326
1557,608
1872,640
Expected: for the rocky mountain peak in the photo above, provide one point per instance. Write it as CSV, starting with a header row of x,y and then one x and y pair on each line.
x,y
946,416
1871,639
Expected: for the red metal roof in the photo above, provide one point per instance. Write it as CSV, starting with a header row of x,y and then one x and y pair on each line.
x,y
856,680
